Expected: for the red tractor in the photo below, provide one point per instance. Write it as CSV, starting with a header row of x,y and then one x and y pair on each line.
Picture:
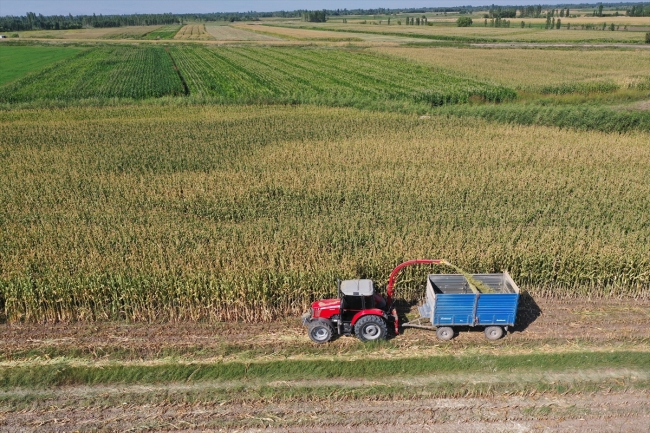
x,y
358,310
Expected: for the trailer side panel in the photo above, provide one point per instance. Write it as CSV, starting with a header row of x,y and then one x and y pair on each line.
x,y
497,309
454,309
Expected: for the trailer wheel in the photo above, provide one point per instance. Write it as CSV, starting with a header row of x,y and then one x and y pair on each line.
x,y
320,331
371,328
445,333
493,332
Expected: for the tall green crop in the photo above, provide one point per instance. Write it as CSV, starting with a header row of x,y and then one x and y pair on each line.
x,y
334,77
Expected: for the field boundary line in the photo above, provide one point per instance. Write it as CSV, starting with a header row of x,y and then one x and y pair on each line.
x,y
178,72
439,38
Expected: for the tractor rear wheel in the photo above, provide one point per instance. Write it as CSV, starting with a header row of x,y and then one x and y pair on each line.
x,y
493,332
320,331
444,333
371,328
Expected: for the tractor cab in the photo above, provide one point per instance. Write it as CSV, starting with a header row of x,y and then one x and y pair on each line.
x,y
356,296
358,310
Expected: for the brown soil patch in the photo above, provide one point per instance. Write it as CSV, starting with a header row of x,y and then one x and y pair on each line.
x,y
613,412
541,324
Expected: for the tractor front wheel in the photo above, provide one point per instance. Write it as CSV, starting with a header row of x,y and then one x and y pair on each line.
x,y
371,328
320,331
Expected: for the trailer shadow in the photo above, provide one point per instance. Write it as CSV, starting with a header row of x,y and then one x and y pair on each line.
x,y
527,313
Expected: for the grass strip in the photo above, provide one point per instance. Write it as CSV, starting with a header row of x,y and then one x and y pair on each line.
x,y
247,352
239,394
580,117
65,374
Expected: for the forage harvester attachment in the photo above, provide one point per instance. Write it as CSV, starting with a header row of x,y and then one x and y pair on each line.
x,y
391,283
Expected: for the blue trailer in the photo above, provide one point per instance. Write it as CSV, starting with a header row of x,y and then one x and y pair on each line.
x,y
483,300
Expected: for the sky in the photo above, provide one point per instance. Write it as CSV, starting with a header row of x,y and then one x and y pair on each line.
x,y
109,7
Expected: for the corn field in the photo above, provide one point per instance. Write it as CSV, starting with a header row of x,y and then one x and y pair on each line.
x,y
249,75
250,212
263,74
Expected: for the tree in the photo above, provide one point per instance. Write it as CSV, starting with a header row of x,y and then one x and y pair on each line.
x,y
600,10
612,27
647,38
315,16
464,22
558,23
523,24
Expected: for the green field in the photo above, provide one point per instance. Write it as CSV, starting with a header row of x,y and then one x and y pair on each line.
x,y
17,61
165,32
251,74
277,75
103,72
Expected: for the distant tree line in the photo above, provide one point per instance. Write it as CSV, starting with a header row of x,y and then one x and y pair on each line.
x,y
532,11
315,16
639,10
524,12
32,21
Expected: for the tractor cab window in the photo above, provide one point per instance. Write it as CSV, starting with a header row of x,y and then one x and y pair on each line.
x,y
358,303
353,303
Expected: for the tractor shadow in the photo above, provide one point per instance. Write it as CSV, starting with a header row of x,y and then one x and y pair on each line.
x,y
403,308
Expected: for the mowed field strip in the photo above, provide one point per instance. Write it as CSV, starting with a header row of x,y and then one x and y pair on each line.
x,y
102,72
129,32
166,409
295,33
534,69
17,61
231,33
478,33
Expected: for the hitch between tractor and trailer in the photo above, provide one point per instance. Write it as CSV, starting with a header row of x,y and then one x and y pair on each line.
x,y
452,300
